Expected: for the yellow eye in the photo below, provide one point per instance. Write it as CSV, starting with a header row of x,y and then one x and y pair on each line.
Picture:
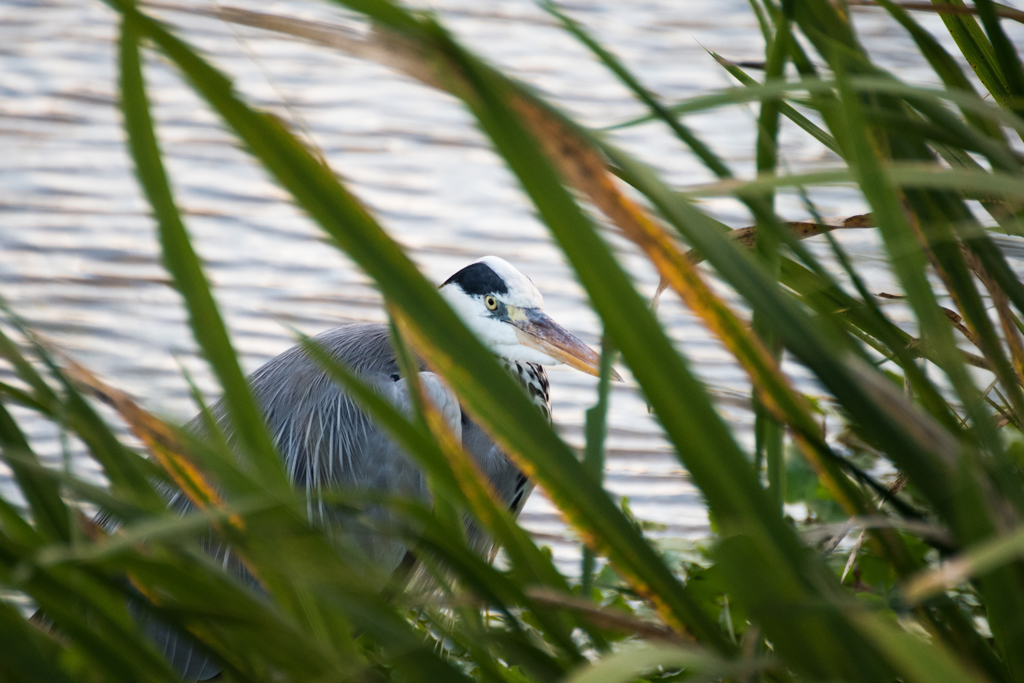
x,y
490,303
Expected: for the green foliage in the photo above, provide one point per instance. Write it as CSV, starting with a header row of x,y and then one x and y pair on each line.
x,y
819,566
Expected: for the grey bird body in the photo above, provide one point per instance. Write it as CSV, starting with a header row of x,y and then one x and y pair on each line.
x,y
326,440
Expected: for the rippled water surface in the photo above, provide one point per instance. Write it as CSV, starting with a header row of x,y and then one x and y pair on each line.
x,y
78,256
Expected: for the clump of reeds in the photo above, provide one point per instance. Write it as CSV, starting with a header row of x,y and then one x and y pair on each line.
x,y
936,590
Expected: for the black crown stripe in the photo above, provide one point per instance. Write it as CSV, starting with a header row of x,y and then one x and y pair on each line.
x,y
478,278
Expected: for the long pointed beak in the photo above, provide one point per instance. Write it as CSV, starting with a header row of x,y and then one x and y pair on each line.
x,y
536,329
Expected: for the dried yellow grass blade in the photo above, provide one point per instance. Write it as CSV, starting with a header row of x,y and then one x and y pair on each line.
x,y
163,443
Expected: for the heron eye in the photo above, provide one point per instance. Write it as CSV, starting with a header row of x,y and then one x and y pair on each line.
x,y
491,303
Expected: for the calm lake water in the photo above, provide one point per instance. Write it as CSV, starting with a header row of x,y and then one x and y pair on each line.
x,y
78,256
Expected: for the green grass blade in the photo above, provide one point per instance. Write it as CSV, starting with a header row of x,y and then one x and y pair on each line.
x,y
183,264
633,663
29,655
769,432
942,63
967,101
71,486
91,613
1005,54
974,561
49,512
595,429
767,31
128,474
703,152
916,660
786,109
976,49
906,174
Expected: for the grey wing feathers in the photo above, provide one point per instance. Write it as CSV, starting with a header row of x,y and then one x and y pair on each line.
x,y
180,650
326,440
437,392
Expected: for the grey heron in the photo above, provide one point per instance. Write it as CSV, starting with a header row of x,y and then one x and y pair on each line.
x,y
326,440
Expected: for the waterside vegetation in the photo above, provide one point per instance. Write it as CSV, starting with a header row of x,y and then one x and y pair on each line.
x,y
928,584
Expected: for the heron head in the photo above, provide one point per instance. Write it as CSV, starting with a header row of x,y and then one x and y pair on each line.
x,y
504,309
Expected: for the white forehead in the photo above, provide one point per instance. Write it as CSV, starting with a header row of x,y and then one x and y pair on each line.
x,y
521,290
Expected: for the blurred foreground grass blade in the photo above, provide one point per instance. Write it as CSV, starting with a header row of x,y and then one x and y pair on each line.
x,y
633,663
22,367
74,488
1005,55
127,473
767,30
90,611
917,660
49,513
246,631
183,264
155,529
785,108
976,49
752,92
163,443
480,382
703,152
13,525
943,64
905,174
770,432
29,654
595,428
974,561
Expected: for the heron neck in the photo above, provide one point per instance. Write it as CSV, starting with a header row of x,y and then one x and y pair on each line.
x,y
534,379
